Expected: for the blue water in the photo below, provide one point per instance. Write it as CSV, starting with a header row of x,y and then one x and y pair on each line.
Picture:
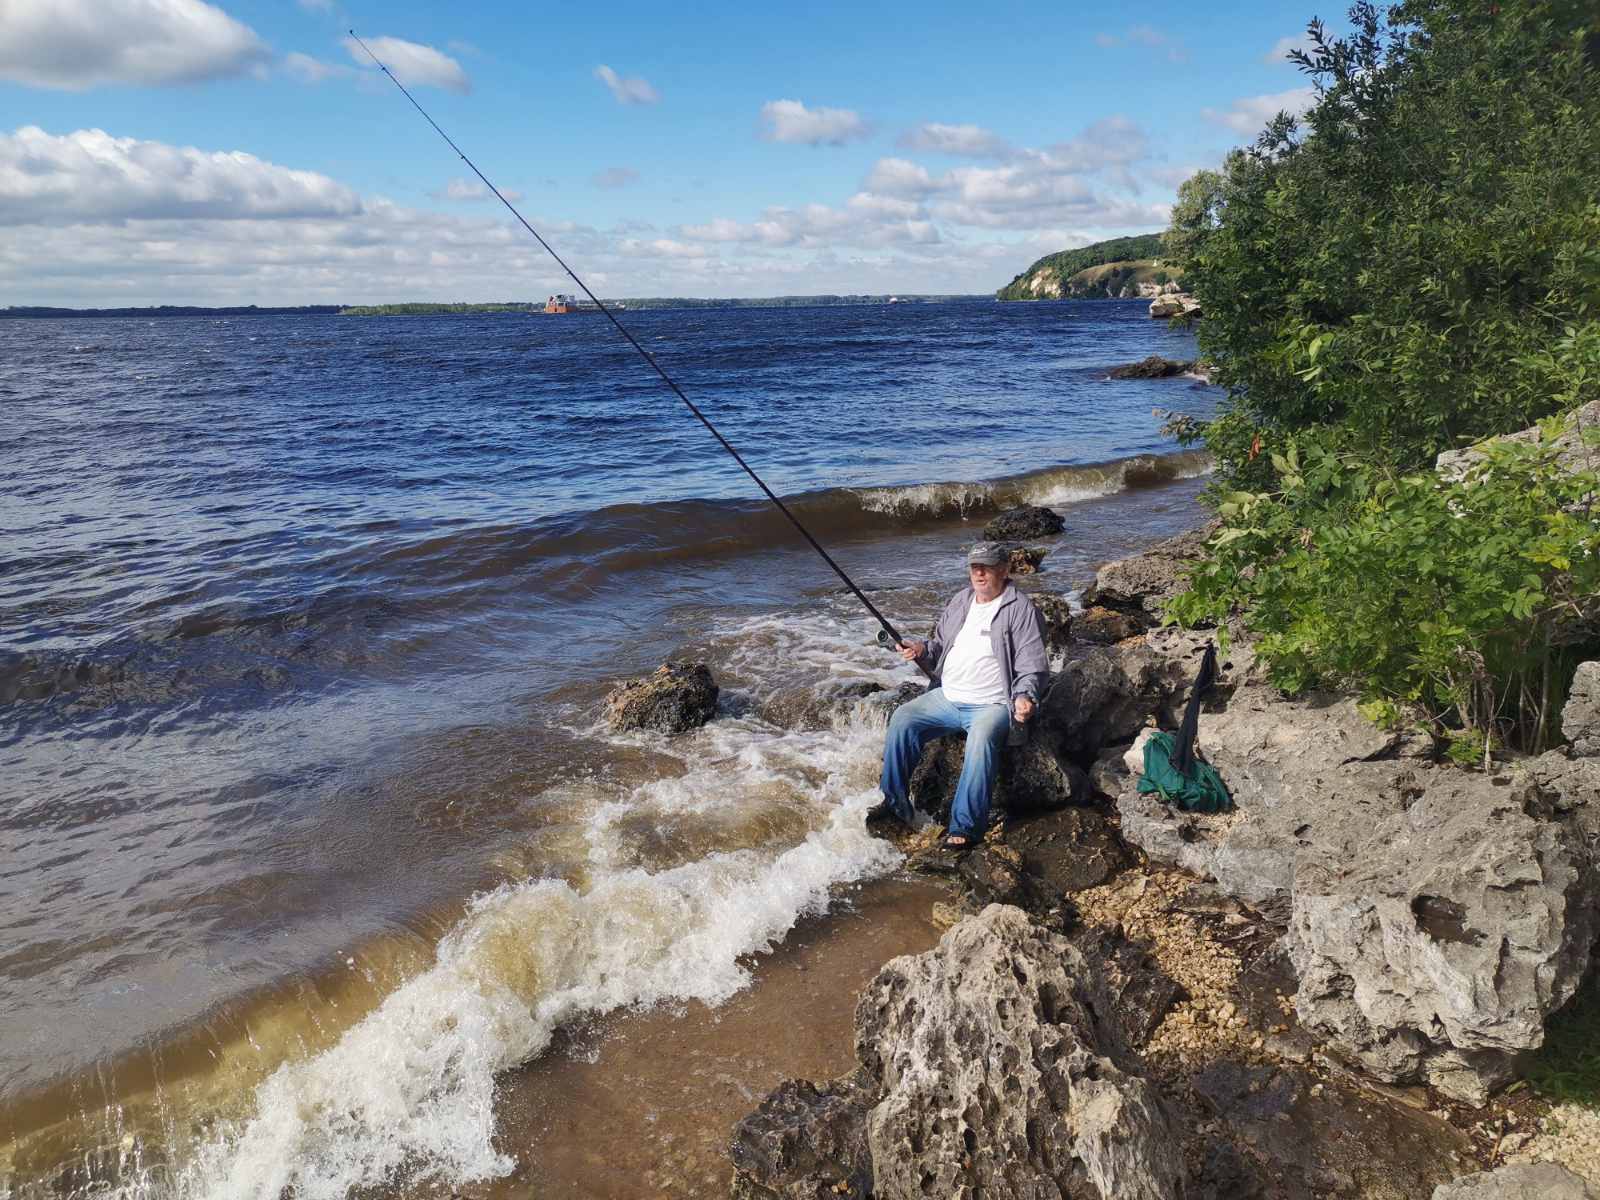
x,y
282,598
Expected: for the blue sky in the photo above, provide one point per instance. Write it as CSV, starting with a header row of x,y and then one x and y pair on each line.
x,y
180,151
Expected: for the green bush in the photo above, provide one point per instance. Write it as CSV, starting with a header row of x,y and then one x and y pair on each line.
x,y
1470,600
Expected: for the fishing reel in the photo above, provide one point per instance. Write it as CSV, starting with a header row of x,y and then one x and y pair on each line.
x,y
886,640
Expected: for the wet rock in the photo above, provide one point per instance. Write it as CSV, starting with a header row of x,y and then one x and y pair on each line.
x,y
996,1075
1033,777
1306,1141
804,1143
1025,521
1141,993
1153,367
996,874
1434,950
1580,719
1142,583
815,708
1025,561
1105,626
1057,615
1070,850
678,697
1520,1181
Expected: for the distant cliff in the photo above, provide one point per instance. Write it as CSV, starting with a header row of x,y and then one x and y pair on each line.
x,y
1120,267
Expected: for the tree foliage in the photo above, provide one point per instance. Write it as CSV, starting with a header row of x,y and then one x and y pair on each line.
x,y
1393,261
1413,265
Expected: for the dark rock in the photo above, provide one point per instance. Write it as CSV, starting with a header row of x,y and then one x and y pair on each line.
x,y
1154,367
1069,850
1309,1140
1026,561
1106,626
1056,613
1109,774
803,1143
995,874
1032,778
678,697
815,708
1141,992
1091,703
1026,521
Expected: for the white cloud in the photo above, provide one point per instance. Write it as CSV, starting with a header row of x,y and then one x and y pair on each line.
x,y
1249,114
1278,56
469,191
865,220
899,177
312,70
792,121
412,63
91,176
615,177
77,44
630,90
967,141
1150,38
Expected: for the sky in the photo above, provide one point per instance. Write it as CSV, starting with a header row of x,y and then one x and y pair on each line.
x,y
248,152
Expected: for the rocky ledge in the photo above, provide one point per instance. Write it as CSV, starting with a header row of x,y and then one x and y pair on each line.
x,y
1323,992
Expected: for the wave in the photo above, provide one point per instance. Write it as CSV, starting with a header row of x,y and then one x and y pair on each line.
x,y
330,613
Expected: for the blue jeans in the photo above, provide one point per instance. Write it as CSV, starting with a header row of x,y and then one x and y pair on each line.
x,y
929,716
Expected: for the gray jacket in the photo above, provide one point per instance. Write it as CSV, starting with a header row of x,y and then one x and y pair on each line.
x,y
1017,636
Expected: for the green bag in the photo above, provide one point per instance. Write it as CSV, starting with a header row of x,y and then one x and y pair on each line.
x,y
1201,791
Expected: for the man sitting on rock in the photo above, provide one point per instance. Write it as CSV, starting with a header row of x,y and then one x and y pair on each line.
x,y
987,655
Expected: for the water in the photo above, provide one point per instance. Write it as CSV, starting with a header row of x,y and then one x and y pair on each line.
x,y
309,826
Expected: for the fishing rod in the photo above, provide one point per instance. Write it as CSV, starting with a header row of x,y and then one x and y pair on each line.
x,y
893,635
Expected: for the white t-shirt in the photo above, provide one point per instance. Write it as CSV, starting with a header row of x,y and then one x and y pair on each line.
x,y
972,673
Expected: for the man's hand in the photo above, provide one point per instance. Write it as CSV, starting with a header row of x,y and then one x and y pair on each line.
x,y
912,650
1022,708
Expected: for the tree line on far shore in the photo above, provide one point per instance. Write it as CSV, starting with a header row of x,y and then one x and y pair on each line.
x,y
1411,267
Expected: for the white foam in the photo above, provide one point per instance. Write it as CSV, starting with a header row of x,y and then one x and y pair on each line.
x,y
925,499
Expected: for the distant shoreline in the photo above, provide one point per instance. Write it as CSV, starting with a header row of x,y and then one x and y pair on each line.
x,y
41,312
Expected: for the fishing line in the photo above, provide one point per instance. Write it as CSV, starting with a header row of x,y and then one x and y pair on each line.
x,y
889,629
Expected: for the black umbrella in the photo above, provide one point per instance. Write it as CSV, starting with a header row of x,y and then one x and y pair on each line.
x,y
1183,754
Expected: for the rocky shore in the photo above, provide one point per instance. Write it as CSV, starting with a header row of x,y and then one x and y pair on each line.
x,y
1331,990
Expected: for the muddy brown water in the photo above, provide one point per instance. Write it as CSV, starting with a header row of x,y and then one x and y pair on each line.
x,y
643,1104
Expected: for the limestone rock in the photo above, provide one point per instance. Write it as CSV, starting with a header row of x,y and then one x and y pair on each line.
x,y
1520,1181
678,697
1106,626
1433,950
997,1078
803,1142
1025,521
1153,367
1309,778
1174,304
1110,772
1580,719
1573,454
1142,583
